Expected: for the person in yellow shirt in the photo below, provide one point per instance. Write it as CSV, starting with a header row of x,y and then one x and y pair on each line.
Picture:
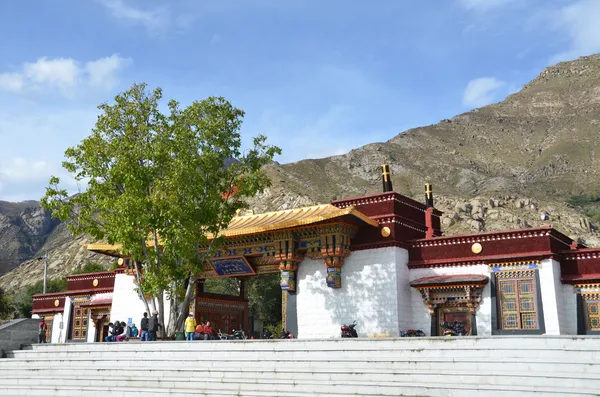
x,y
190,327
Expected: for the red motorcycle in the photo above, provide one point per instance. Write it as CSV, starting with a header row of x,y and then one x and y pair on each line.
x,y
348,331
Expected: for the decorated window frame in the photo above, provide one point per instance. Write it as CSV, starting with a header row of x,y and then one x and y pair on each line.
x,y
516,299
588,309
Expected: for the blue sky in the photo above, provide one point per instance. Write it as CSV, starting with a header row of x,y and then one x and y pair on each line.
x,y
317,77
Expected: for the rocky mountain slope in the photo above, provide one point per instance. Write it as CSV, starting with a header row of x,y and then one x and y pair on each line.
x,y
493,168
24,228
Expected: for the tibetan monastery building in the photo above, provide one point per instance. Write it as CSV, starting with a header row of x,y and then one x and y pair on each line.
x,y
379,259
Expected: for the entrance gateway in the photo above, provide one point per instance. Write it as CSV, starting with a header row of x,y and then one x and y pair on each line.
x,y
379,259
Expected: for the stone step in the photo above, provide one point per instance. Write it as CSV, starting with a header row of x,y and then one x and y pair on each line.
x,y
218,351
347,387
524,366
440,364
574,343
497,376
510,356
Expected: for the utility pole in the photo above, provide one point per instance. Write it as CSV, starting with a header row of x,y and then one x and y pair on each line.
x,y
45,258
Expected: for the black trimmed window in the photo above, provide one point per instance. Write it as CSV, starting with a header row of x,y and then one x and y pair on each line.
x,y
517,300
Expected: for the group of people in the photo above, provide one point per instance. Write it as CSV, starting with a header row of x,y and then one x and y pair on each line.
x,y
194,331
119,331
149,327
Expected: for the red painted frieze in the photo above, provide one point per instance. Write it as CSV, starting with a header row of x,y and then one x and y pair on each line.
x,y
508,245
86,281
581,265
48,303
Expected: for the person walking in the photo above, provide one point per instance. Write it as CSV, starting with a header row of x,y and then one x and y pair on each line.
x,y
153,326
190,327
42,331
144,328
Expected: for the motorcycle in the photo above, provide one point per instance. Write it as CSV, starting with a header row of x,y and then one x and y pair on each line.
x,y
455,328
286,335
412,333
349,331
239,334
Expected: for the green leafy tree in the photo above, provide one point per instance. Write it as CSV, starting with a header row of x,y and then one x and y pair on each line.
x,y
6,306
161,186
264,298
89,267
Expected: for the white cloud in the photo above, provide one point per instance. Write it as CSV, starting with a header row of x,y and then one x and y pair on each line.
x,y
152,19
103,72
482,91
64,74
483,5
579,22
11,82
20,169
60,72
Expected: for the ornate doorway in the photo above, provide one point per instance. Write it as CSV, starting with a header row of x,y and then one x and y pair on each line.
x,y
452,313
79,324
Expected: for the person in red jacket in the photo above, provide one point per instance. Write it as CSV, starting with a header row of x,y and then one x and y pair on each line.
x,y
43,328
208,333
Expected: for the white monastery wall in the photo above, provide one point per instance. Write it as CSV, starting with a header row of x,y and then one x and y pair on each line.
x,y
126,303
404,293
420,316
91,330
55,333
66,317
369,295
570,310
552,296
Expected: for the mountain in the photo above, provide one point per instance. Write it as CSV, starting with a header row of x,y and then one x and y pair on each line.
x,y
24,228
495,167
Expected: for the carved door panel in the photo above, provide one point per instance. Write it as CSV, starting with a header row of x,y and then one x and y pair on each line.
x,y
48,321
80,323
451,314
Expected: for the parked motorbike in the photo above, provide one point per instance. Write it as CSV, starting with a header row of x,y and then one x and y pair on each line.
x,y
286,335
411,333
349,331
238,334
455,328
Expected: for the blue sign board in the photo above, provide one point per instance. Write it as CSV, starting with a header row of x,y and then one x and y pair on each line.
x,y
234,266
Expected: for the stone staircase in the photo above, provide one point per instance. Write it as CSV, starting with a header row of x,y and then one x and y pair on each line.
x,y
492,366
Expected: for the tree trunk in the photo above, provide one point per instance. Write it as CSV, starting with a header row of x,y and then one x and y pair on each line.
x,y
138,279
174,312
189,295
161,312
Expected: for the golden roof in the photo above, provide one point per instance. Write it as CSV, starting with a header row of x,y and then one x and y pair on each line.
x,y
105,249
278,220
267,222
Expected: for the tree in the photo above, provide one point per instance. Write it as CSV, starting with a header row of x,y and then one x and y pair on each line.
x,y
161,186
89,267
264,295
6,307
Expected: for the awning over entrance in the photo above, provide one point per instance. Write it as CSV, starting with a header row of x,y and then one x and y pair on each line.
x,y
457,290
278,220
455,280
267,222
